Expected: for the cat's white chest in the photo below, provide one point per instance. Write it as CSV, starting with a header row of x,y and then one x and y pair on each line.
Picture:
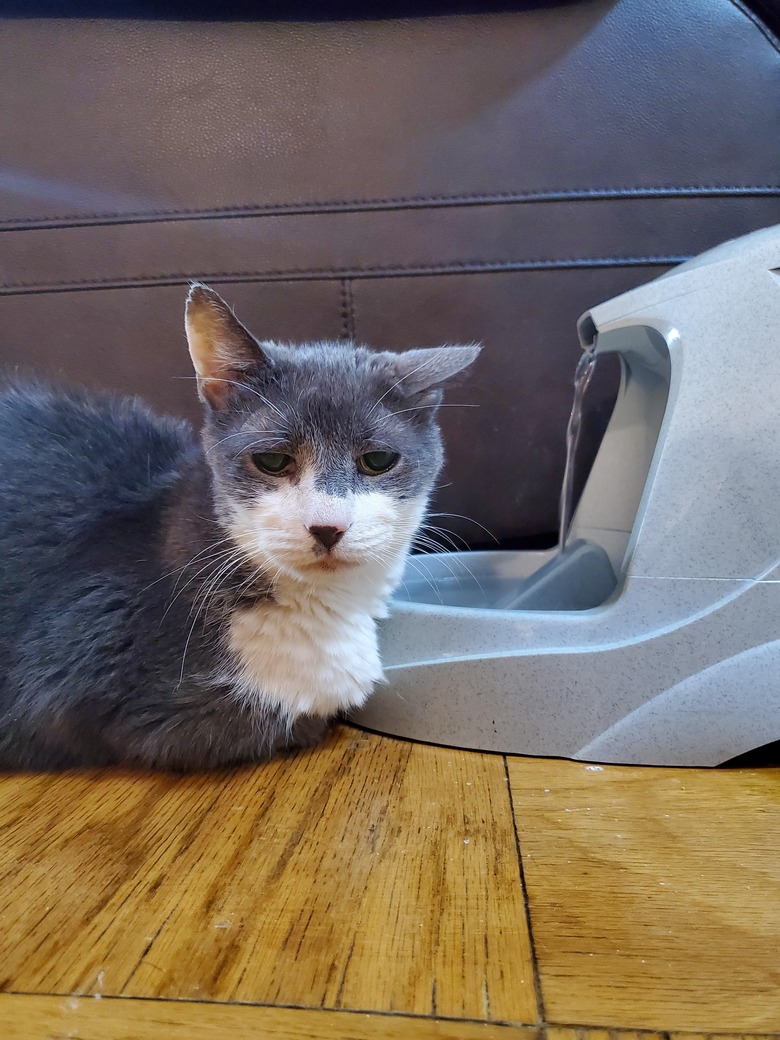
x,y
305,653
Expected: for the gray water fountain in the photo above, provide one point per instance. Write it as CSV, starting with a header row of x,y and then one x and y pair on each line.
x,y
654,636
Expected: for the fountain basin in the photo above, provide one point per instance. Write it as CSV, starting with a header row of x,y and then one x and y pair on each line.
x,y
579,577
655,637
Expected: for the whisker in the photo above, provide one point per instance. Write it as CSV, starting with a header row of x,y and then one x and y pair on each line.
x,y
205,595
276,435
257,393
449,563
212,584
184,567
452,573
428,542
254,574
395,384
450,536
421,407
460,516
209,562
242,386
413,561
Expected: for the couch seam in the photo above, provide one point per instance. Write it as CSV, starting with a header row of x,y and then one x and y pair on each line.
x,y
350,309
758,22
398,202
344,297
347,273
352,314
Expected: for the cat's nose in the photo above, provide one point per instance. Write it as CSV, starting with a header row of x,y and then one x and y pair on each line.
x,y
327,536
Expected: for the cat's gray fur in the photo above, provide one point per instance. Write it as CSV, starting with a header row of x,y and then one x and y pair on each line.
x,y
113,607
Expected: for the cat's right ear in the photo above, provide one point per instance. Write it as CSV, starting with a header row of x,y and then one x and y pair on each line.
x,y
221,348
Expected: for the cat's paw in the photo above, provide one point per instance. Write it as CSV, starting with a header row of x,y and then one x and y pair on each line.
x,y
307,731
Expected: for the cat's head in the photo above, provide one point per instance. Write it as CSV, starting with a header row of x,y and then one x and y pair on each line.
x,y
323,455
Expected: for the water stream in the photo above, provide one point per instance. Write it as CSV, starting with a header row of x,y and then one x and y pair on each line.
x,y
582,375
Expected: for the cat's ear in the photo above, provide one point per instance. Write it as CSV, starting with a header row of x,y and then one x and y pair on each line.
x,y
221,348
426,369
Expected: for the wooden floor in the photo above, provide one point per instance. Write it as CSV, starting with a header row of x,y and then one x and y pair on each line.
x,y
377,888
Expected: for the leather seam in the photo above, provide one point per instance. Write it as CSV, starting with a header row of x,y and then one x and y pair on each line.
x,y
399,202
758,22
346,322
352,313
343,300
329,273
350,309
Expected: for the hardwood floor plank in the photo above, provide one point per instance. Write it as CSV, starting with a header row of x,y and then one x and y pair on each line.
x,y
398,914
654,894
81,875
445,891
720,1036
24,1017
369,874
587,1033
583,1033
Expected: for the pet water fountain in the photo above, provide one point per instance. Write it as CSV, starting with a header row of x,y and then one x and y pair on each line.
x,y
652,634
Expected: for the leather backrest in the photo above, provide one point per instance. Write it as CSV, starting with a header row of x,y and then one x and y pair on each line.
x,y
401,182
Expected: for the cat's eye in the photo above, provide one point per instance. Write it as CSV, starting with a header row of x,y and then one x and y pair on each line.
x,y
372,463
272,462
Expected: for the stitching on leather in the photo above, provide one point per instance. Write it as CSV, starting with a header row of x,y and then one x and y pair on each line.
x,y
296,274
352,313
344,309
411,201
764,29
350,309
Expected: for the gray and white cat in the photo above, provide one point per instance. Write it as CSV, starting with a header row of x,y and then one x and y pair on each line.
x,y
190,605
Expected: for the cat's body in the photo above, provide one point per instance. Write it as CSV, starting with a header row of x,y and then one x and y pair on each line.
x,y
189,605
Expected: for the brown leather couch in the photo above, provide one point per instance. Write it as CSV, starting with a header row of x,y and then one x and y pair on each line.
x,y
403,181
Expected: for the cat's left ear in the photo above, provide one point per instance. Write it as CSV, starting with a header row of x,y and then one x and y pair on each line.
x,y
221,348
426,369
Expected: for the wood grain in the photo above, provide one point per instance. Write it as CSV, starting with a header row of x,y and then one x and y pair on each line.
x,y
582,1033
654,894
55,1018
585,1033
720,1036
369,874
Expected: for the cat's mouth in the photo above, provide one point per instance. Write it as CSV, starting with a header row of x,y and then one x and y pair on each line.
x,y
329,562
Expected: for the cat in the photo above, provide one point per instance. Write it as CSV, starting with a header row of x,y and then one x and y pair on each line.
x,y
186,604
